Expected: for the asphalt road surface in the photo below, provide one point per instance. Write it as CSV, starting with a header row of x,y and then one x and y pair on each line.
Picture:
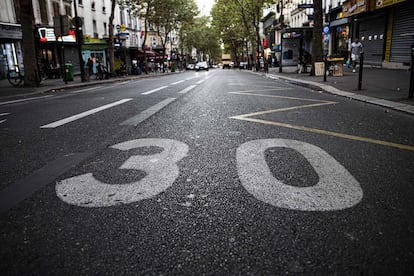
x,y
204,173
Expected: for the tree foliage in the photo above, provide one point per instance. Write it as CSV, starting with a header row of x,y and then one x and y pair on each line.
x,y
238,22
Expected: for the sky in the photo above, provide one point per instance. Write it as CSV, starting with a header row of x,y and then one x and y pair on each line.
x,y
205,6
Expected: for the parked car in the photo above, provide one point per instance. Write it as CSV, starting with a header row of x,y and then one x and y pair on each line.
x,y
243,65
190,66
201,66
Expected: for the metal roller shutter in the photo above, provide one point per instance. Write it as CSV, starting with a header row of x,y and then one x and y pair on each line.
x,y
372,35
403,24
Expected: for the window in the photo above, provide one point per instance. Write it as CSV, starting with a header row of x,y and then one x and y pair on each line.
x,y
80,2
43,11
68,10
95,29
105,27
93,5
103,6
56,9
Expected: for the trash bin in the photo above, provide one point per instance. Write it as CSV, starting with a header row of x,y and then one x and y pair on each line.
x,y
68,72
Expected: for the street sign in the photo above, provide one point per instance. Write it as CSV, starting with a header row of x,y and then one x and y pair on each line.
x,y
123,28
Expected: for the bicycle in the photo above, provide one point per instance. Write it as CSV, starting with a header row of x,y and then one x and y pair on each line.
x,y
14,76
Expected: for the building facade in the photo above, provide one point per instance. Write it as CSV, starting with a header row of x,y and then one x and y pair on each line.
x,y
10,37
385,28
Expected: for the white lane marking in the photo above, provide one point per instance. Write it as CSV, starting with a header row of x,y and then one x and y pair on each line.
x,y
154,90
200,81
26,100
134,121
83,90
84,114
187,89
336,189
161,171
3,114
177,82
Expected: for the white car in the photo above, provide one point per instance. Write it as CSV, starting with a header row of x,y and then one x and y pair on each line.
x,y
201,66
190,66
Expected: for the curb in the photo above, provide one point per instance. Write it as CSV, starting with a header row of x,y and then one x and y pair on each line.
x,y
335,91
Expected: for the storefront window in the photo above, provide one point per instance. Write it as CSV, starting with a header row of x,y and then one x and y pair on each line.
x,y
341,41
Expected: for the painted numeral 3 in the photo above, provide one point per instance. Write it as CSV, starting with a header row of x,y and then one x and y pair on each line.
x,y
161,169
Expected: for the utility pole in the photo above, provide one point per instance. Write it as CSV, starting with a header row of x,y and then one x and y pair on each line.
x,y
79,38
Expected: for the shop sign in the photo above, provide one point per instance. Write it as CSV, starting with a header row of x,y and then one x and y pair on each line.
x,y
378,4
48,35
353,7
10,31
292,35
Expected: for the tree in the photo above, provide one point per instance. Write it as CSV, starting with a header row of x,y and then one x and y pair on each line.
x,y
317,50
111,47
31,68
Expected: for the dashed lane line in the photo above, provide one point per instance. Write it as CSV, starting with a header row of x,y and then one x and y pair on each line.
x,y
134,121
84,114
187,89
177,82
154,90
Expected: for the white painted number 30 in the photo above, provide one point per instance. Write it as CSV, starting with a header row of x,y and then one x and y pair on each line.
x,y
337,189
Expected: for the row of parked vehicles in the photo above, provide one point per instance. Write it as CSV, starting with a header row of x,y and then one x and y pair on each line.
x,y
203,65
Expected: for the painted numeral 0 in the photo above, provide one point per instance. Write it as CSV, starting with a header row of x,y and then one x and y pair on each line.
x,y
337,189
161,168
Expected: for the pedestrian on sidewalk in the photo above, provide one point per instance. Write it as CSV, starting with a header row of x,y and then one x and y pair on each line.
x,y
356,49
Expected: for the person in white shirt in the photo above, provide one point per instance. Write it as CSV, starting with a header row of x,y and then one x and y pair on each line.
x,y
355,50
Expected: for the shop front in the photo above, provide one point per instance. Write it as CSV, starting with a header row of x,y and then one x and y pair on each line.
x,y
402,32
340,29
296,44
54,51
96,50
10,48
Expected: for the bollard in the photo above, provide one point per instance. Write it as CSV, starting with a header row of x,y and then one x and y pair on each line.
x,y
411,91
361,66
324,68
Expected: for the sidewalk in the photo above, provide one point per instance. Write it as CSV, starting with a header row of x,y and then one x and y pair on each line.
x,y
384,87
52,85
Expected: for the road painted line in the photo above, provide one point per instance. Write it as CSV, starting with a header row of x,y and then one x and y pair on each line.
x,y
84,90
18,191
4,114
26,100
2,121
280,97
191,87
84,114
248,92
137,119
326,132
154,90
177,82
200,81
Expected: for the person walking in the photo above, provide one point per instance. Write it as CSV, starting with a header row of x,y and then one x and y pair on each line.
x,y
356,50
